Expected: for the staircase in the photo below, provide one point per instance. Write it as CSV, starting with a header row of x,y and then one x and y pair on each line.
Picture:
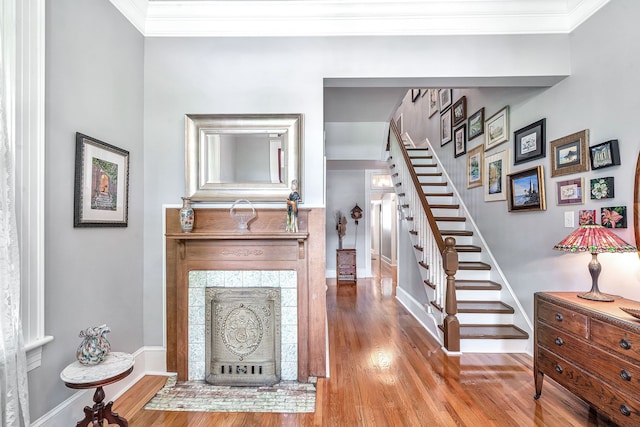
x,y
491,320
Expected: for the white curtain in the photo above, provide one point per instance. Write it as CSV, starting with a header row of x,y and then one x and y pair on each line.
x,y
14,399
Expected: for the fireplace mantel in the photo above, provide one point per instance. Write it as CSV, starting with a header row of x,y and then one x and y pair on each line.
x,y
214,245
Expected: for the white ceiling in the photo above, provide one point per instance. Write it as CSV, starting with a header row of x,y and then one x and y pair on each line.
x,y
240,18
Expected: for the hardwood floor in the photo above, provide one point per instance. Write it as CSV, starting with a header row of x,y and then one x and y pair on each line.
x,y
386,370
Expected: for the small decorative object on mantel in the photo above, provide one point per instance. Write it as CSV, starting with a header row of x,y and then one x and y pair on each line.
x,y
292,208
187,215
94,347
341,227
242,211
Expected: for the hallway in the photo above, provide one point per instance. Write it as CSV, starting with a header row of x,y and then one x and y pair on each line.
x,y
387,371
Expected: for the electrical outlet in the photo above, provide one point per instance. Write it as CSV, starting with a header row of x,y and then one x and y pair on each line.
x,y
568,219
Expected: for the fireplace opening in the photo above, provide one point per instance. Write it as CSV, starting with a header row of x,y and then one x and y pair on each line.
x,y
242,336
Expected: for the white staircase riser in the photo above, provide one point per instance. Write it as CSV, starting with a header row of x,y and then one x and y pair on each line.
x,y
480,295
430,179
445,212
473,275
493,346
462,240
440,200
451,225
485,318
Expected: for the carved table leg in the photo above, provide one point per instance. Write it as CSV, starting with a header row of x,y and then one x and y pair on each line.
x,y
538,380
100,412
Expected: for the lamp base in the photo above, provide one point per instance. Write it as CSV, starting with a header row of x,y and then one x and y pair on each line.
x,y
596,296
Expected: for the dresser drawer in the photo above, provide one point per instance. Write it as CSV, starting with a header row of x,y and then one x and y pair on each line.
x,y
621,408
563,318
562,343
616,339
615,371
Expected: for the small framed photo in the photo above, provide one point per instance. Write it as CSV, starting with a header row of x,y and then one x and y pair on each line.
x,y
605,155
459,111
602,188
433,101
495,176
101,184
415,94
460,141
475,158
569,154
445,128
496,129
614,217
476,124
526,190
529,142
445,99
570,192
587,217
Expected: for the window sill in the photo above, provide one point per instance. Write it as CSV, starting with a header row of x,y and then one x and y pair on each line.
x,y
34,352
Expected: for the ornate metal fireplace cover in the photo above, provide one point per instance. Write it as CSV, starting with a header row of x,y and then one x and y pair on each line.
x,y
242,341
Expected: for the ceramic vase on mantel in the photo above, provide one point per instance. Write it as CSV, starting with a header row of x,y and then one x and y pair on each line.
x,y
187,215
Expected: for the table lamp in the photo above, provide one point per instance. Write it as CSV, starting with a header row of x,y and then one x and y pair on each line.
x,y
595,239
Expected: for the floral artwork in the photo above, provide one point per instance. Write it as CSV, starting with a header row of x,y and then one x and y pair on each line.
x,y
587,217
614,217
602,188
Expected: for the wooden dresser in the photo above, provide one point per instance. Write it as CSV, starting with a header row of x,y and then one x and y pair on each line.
x,y
346,270
592,349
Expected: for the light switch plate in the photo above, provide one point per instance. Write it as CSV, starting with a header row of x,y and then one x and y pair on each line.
x,y
568,219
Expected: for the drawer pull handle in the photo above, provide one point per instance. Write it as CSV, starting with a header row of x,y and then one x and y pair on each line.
x,y
559,341
625,344
559,317
625,375
624,410
559,369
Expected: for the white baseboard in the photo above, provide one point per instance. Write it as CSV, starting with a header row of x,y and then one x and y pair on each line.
x,y
148,361
418,311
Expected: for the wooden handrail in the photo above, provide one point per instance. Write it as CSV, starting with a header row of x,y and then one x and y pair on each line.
x,y
423,199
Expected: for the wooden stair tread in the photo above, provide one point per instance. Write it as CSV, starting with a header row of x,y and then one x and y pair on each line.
x,y
467,248
473,265
443,194
484,307
429,174
433,184
428,165
477,285
418,149
420,157
492,332
456,233
443,206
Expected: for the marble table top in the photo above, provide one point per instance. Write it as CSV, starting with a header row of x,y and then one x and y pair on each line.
x,y
114,365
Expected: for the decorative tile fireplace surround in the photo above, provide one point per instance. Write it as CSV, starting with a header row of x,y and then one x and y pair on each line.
x,y
217,255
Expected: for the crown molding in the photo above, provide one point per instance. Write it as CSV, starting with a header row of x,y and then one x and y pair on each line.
x,y
299,18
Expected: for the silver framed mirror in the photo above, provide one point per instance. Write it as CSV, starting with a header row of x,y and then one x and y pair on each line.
x,y
242,156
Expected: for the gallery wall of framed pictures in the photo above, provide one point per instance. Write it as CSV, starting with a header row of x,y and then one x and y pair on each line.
x,y
573,165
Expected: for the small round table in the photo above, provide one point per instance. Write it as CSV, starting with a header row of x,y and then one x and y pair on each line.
x,y
78,376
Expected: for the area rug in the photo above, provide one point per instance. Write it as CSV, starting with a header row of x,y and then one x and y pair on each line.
x,y
284,397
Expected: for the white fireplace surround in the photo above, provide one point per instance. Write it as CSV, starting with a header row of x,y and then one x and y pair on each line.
x,y
286,280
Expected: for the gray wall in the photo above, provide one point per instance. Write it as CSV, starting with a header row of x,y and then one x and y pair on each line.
x,y
597,96
94,61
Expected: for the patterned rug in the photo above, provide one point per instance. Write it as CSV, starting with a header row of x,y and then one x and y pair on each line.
x,y
285,397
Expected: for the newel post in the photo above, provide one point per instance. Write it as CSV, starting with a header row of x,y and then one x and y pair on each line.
x,y
451,324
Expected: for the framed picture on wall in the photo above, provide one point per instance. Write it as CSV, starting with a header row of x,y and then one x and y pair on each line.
x,y
445,98
614,217
433,101
475,158
475,124
526,190
496,129
605,155
101,196
445,127
570,192
495,176
459,111
460,141
415,94
529,142
569,154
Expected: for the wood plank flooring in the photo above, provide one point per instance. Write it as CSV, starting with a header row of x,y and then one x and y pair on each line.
x,y
385,370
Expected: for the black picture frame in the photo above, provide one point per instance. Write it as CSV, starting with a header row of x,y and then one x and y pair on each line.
x,y
604,155
101,193
415,94
529,143
460,141
475,124
459,111
446,133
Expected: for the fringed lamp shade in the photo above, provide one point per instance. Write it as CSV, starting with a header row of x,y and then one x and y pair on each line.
x,y
594,239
